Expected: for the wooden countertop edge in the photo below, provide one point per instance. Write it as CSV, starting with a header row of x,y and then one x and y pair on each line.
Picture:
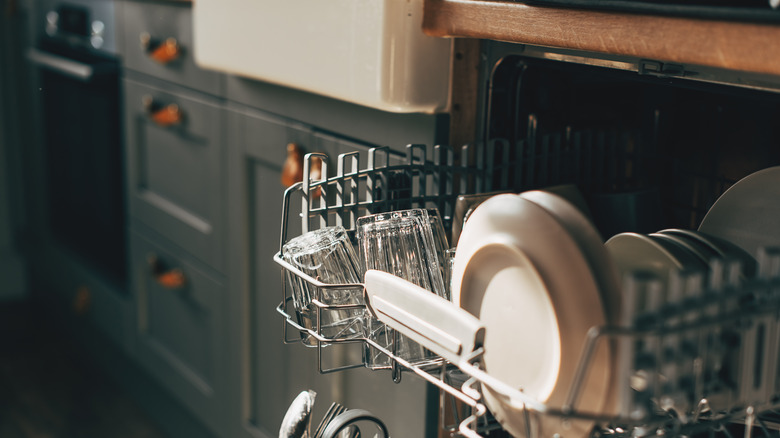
x,y
174,2
740,46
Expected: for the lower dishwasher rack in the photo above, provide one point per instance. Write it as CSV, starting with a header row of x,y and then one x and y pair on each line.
x,y
719,341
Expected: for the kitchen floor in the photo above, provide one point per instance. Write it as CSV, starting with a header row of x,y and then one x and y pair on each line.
x,y
50,389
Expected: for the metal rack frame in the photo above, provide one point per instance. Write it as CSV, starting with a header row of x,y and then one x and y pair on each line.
x,y
426,182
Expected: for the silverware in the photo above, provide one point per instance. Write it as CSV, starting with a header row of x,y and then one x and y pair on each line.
x,y
333,411
347,422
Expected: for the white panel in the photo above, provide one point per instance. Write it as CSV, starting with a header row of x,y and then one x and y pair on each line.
x,y
369,52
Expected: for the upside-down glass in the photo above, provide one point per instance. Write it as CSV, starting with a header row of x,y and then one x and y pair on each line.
x,y
442,246
449,262
401,243
326,255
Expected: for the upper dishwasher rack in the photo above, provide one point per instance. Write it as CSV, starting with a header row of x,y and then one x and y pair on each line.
x,y
720,310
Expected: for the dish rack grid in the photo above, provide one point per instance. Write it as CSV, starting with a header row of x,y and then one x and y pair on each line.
x,y
688,337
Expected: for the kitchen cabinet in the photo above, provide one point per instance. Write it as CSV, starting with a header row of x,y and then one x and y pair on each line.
x,y
203,153
275,373
176,191
204,194
157,40
180,325
359,123
86,301
255,171
262,120
175,166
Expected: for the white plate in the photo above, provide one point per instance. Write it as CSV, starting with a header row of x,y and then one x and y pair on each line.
x,y
685,255
572,194
574,217
685,238
524,275
748,212
633,252
719,248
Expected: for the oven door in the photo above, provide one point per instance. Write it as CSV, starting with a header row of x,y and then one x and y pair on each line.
x,y
86,206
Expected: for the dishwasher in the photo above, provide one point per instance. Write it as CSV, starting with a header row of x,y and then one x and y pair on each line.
x,y
648,147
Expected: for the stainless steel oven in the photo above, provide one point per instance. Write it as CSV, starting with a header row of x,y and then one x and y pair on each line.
x,y
80,97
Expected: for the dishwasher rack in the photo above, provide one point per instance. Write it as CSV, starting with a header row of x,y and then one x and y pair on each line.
x,y
688,337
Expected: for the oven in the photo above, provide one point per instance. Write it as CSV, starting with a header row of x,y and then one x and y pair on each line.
x,y
80,101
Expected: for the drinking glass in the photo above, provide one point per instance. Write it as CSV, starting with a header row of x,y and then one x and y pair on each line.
x,y
328,256
449,263
401,243
441,244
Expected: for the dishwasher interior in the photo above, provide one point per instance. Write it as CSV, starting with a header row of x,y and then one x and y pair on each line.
x,y
682,140
650,146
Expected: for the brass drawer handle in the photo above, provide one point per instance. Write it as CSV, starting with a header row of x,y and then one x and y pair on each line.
x,y
82,300
292,170
168,278
162,51
163,115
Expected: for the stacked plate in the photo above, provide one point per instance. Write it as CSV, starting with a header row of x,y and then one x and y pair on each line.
x,y
673,249
536,273
534,270
747,213
741,221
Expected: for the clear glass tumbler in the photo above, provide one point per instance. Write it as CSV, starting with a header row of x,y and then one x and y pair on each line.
x,y
442,245
401,243
328,256
449,263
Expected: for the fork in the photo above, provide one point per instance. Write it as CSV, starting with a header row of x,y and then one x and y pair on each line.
x,y
333,411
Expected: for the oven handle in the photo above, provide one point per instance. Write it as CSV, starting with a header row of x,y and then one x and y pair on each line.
x,y
65,66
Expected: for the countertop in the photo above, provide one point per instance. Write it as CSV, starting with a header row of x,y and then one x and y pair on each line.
x,y
741,46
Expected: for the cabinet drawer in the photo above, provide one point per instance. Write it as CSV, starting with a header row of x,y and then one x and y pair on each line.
x,y
179,317
175,171
157,40
266,136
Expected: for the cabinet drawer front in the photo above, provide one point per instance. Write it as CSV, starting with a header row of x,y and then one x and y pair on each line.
x,y
179,324
265,137
158,41
175,170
